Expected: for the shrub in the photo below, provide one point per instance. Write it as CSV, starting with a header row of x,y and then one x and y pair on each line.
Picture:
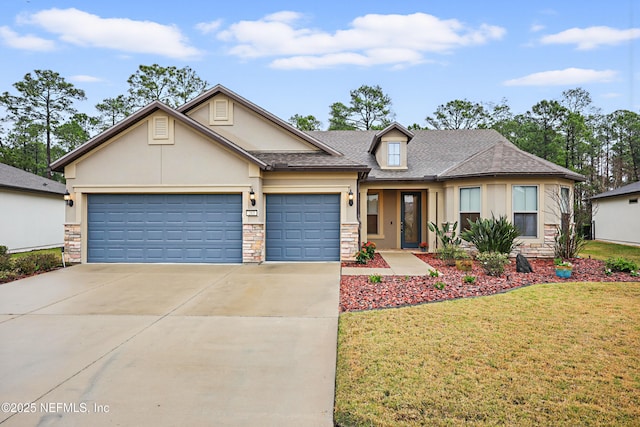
x,y
434,273
446,234
464,264
439,285
362,256
492,235
46,262
370,248
493,262
449,254
375,278
621,264
7,276
5,259
469,279
568,242
25,265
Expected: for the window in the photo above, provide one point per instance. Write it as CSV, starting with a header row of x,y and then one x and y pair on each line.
x,y
469,206
565,209
525,209
372,213
394,154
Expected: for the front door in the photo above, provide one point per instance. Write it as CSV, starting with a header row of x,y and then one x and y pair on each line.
x,y
410,224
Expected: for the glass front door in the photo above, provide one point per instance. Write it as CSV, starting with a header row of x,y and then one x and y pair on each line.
x,y
410,224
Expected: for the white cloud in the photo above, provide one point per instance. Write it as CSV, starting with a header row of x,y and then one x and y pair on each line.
x,y
568,76
370,40
84,29
29,42
209,27
85,79
536,28
592,37
609,95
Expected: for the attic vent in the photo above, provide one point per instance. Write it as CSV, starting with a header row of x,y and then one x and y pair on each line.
x,y
221,109
160,128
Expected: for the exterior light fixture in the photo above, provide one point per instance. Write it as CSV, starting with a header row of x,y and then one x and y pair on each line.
x,y
67,198
350,197
252,197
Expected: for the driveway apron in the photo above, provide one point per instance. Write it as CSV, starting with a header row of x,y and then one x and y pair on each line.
x,y
165,345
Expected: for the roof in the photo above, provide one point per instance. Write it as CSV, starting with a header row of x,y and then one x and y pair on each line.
x,y
18,179
377,138
154,106
309,161
621,191
447,154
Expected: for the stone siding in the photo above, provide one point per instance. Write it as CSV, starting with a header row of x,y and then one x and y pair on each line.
x,y
349,244
540,250
72,244
253,242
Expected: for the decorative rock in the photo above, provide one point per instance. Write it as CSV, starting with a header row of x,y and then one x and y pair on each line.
x,y
522,264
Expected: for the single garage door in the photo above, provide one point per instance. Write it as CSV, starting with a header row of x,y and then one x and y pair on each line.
x,y
303,227
198,228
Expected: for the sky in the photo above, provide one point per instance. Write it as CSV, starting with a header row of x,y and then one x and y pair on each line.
x,y
296,57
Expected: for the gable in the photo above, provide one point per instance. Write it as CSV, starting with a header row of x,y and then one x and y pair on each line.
x,y
246,128
134,157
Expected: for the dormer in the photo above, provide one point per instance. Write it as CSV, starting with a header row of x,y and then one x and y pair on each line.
x,y
390,146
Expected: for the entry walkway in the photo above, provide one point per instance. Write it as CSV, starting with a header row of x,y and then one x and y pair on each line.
x,y
401,263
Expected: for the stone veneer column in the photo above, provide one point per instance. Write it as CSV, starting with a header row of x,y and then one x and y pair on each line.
x,y
253,243
349,244
72,243
540,250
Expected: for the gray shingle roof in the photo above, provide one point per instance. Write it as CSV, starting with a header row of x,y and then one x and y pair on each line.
x,y
18,179
627,189
316,160
446,154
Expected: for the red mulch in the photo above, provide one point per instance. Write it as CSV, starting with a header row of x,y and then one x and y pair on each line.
x,y
376,262
356,293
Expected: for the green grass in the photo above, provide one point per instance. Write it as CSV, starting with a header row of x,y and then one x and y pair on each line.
x,y
55,251
556,354
604,250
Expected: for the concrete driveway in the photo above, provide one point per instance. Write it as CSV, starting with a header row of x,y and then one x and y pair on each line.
x,y
170,345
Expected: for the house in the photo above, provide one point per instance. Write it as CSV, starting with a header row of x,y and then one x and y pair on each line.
x,y
31,210
616,215
220,179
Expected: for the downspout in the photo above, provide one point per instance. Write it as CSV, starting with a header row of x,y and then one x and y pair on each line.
x,y
437,222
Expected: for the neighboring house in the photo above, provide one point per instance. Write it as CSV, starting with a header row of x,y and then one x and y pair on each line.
x,y
31,210
616,215
223,180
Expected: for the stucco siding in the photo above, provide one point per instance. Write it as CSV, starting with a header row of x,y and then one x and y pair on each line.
x,y
251,132
617,220
31,220
130,160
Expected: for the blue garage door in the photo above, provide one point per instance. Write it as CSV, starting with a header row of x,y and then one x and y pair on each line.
x,y
303,227
199,228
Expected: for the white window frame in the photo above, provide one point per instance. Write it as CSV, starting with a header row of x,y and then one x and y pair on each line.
x,y
392,154
526,211
379,214
463,224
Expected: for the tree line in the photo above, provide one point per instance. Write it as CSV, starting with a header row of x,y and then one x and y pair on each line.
x,y
41,123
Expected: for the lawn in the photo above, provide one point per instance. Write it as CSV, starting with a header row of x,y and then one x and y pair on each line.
x,y
553,354
548,354
603,250
55,251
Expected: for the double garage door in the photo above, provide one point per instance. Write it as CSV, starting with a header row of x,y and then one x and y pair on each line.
x,y
207,228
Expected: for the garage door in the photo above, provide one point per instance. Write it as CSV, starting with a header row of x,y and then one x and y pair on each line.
x,y
303,227
198,228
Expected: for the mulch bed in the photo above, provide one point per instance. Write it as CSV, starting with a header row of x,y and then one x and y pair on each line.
x,y
356,293
376,262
